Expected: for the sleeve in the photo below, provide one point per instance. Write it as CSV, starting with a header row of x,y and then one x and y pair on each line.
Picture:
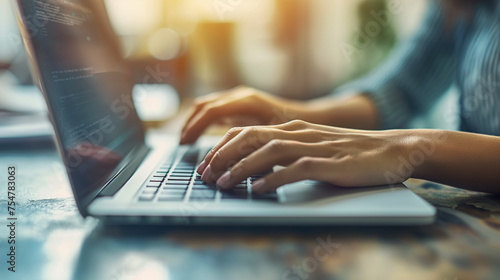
x,y
416,73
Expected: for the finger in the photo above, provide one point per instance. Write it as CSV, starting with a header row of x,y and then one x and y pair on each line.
x,y
306,168
209,114
275,152
191,113
231,105
264,136
250,139
201,102
247,141
233,132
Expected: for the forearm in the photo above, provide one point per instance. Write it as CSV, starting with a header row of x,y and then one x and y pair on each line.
x,y
354,112
459,159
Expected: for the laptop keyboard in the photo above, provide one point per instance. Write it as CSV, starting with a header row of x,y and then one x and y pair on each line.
x,y
176,180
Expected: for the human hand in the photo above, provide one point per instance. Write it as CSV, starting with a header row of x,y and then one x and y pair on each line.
x,y
342,157
239,101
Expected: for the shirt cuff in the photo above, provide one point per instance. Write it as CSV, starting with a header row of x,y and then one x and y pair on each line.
x,y
393,110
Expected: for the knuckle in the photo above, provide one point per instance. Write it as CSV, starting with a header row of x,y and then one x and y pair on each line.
x,y
218,155
234,131
256,94
296,124
239,168
206,111
236,171
212,95
276,146
211,109
306,163
249,131
239,90
198,102
330,146
242,164
241,87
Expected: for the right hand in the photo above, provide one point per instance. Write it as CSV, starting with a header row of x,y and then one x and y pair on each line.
x,y
239,101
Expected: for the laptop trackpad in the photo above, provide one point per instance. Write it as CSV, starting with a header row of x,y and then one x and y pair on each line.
x,y
319,192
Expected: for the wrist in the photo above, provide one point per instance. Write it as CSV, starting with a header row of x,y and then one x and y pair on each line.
x,y
357,111
422,148
319,111
293,110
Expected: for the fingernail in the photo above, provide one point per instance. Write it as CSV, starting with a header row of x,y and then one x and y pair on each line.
x,y
207,173
201,167
223,181
259,185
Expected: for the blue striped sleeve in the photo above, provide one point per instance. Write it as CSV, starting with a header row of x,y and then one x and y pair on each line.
x,y
416,73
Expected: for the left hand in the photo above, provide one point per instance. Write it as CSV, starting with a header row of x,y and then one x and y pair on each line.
x,y
342,157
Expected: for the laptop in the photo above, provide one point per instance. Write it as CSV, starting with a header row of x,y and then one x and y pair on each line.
x,y
122,175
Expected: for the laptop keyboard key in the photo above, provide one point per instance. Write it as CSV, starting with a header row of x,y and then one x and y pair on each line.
x,y
155,180
153,184
183,180
203,193
170,198
147,197
199,182
176,184
176,176
203,187
241,186
235,194
265,196
175,187
185,165
180,192
150,191
181,172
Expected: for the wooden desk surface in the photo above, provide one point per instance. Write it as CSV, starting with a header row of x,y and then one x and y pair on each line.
x,y
54,242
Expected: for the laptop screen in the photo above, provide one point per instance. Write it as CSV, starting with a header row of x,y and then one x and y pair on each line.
x,y
87,85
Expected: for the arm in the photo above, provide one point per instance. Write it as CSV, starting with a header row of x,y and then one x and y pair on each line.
x,y
464,160
357,111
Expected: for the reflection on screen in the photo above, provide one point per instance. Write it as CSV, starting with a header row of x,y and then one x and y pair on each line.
x,y
87,86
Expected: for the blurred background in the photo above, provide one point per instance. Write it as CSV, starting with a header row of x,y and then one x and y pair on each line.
x,y
294,48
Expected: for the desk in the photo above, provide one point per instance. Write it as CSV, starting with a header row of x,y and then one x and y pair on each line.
x,y
55,242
